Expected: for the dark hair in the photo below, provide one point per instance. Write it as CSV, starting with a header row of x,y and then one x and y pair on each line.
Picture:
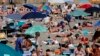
x,y
87,46
96,35
69,6
51,18
28,36
76,35
97,46
69,35
18,35
48,50
66,46
66,3
37,34
79,24
49,37
80,45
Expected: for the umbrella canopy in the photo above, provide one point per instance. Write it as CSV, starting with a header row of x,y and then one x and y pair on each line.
x,y
14,16
33,15
92,9
20,23
84,1
6,50
97,24
85,6
85,32
69,1
56,1
30,6
36,28
60,1
79,13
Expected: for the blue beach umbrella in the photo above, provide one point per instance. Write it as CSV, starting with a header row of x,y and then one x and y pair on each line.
x,y
92,9
33,15
14,16
6,50
30,6
36,28
97,24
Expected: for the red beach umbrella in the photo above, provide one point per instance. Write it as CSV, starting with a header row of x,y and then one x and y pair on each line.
x,y
85,6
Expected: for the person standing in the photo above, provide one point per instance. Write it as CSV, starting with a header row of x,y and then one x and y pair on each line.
x,y
67,18
37,35
11,1
25,1
18,43
79,51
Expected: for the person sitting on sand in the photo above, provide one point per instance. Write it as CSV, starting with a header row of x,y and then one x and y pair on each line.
x,y
57,51
53,29
87,24
65,40
61,25
50,41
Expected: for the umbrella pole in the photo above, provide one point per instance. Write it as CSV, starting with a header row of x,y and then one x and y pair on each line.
x,y
69,25
6,31
37,49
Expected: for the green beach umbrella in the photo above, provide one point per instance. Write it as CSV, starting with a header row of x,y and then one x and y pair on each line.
x,y
36,28
78,13
20,23
8,51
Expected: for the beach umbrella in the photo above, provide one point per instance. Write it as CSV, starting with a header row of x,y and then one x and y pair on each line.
x,y
85,32
8,51
85,6
92,9
14,16
69,1
20,23
36,28
34,15
78,13
56,1
83,1
30,6
97,24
